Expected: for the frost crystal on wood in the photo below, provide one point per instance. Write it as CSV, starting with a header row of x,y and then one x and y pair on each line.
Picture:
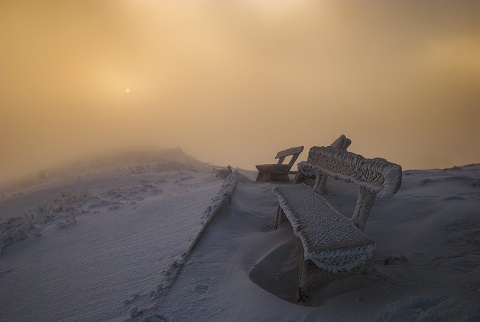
x,y
376,175
373,176
305,171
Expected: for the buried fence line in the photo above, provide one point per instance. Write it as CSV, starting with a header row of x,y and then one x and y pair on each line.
x,y
220,203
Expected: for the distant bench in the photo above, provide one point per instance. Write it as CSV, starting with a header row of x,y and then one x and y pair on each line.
x,y
278,171
332,241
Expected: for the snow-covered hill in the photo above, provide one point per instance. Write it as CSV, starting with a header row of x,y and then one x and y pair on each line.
x,y
116,162
190,244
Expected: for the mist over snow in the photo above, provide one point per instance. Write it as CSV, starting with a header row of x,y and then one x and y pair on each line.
x,y
120,162
233,82
156,235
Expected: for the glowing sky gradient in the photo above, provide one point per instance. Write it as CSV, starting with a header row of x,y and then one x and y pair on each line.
x,y
233,82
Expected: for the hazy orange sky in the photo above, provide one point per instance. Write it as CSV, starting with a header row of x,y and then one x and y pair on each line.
x,y
233,82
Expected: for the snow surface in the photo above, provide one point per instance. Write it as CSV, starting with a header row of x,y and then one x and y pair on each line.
x,y
114,248
112,256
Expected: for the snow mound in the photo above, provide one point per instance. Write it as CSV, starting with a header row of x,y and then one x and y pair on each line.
x,y
278,271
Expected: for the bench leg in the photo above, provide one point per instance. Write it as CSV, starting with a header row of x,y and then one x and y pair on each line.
x,y
302,277
280,217
320,186
299,178
310,278
364,206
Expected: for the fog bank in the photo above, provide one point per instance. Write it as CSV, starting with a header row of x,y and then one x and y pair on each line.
x,y
233,82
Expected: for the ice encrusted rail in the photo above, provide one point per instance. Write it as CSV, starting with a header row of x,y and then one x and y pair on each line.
x,y
219,204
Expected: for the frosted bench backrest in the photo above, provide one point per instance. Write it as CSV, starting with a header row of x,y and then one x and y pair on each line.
x,y
373,176
295,152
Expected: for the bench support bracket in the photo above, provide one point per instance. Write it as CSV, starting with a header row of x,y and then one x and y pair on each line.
x,y
364,205
320,186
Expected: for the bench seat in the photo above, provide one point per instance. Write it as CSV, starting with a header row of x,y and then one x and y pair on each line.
x,y
329,239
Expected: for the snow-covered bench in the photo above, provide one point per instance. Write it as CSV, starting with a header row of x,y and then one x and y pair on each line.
x,y
278,171
306,174
332,241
